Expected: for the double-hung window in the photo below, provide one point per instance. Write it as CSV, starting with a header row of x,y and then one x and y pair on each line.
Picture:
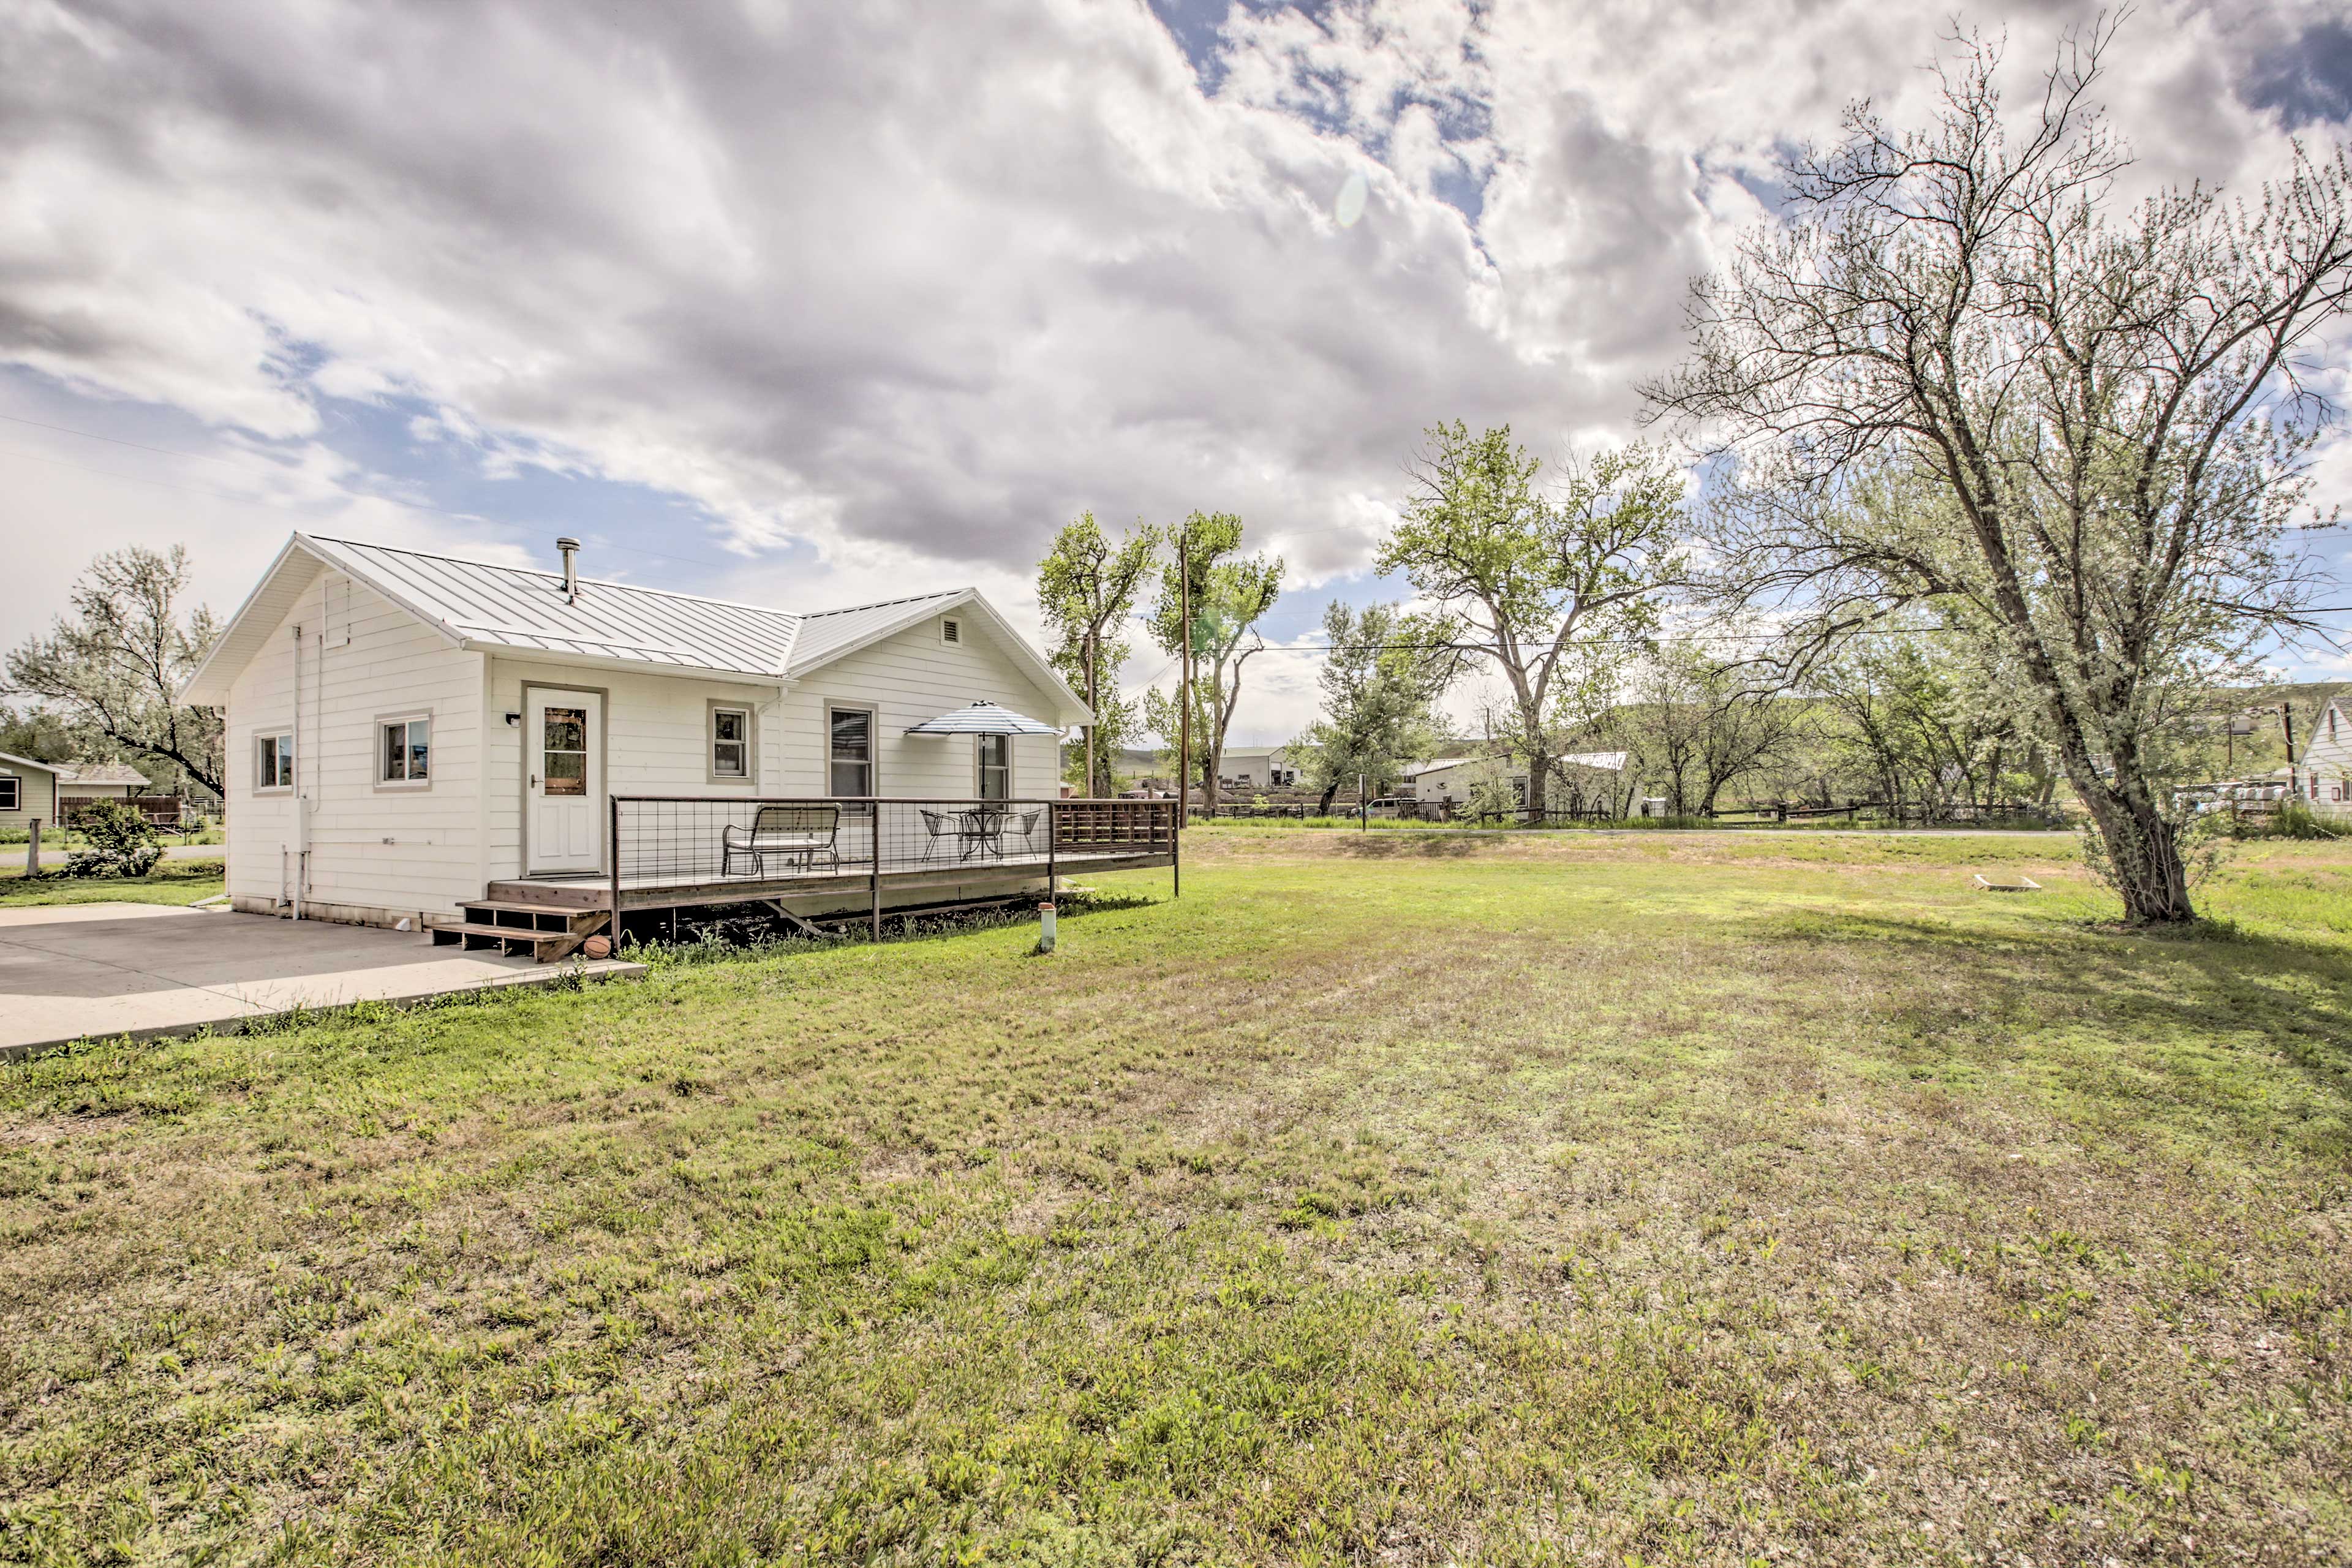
x,y
850,772
996,767
403,750
730,744
273,762
12,793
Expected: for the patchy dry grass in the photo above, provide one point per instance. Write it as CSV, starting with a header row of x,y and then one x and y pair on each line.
x,y
1563,1200
180,881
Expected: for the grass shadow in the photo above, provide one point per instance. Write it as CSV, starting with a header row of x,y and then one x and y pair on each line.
x,y
2224,980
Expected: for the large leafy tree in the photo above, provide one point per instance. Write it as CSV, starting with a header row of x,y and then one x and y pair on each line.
x,y
1087,584
1929,724
1963,375
1556,585
113,667
1230,593
1700,723
1380,684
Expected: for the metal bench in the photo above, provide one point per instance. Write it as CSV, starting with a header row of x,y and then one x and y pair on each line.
x,y
799,835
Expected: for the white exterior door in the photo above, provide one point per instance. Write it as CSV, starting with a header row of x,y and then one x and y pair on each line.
x,y
563,781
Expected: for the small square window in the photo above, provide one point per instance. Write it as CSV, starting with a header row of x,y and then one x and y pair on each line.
x,y
730,743
12,793
273,766
408,751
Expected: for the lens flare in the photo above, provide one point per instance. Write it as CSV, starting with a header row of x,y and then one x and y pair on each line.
x,y
1349,206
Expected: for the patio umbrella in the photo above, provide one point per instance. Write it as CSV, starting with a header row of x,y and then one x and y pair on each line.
x,y
981,719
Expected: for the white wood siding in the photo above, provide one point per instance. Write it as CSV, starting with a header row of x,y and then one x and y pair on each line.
x,y
657,741
375,854
2326,774
909,678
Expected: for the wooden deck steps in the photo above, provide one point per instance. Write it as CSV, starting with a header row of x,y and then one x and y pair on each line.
x,y
546,921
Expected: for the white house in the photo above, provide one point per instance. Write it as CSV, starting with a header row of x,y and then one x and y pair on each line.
x,y
411,735
1454,778
1261,767
2323,775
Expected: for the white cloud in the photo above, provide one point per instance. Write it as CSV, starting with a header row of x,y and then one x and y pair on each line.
x,y
892,291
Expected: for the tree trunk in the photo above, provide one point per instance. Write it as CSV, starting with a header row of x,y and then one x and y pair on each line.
x,y
2144,852
2143,849
1330,793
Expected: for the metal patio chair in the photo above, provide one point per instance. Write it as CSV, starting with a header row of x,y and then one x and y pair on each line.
x,y
800,836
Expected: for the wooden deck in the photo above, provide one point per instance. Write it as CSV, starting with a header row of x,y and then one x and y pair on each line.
x,y
849,886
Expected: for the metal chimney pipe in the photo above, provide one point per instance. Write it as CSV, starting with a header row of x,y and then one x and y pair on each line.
x,y
570,548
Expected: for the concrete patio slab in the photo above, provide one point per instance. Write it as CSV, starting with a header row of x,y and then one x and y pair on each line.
x,y
82,971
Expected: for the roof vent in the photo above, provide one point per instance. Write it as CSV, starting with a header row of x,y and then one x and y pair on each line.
x,y
571,549
951,629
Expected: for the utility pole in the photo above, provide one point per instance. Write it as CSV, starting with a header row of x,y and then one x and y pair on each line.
x,y
1185,724
2286,723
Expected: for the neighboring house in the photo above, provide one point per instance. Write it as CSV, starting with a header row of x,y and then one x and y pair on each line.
x,y
28,791
1454,778
1256,767
101,781
2323,775
404,729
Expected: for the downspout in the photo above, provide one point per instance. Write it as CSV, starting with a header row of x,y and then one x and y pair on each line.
x,y
301,838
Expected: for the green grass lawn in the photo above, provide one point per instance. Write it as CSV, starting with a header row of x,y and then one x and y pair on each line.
x,y
1386,1200
170,882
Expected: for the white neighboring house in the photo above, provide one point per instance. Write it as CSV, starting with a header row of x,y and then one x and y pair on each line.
x,y
2323,775
1258,767
405,730
101,781
1454,778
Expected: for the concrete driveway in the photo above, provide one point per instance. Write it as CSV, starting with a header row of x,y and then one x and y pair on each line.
x,y
74,971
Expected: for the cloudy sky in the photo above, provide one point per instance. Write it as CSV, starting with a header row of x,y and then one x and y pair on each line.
x,y
809,303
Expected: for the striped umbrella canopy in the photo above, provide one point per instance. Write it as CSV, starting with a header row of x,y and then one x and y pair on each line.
x,y
981,719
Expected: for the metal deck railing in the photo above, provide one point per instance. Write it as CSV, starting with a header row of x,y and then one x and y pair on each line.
x,y
669,848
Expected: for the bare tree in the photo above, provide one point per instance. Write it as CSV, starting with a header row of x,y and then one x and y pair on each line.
x,y
114,666
1556,586
1958,375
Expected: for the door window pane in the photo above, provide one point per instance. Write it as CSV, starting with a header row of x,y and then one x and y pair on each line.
x,y
564,751
852,752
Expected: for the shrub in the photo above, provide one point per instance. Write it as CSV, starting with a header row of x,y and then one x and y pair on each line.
x,y
119,843
2295,819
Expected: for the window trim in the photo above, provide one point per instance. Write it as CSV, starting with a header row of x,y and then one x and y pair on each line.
x,y
271,733
14,785
873,712
980,767
404,786
712,708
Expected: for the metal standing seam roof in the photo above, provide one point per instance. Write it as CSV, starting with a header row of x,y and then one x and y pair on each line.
x,y
827,631
523,609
